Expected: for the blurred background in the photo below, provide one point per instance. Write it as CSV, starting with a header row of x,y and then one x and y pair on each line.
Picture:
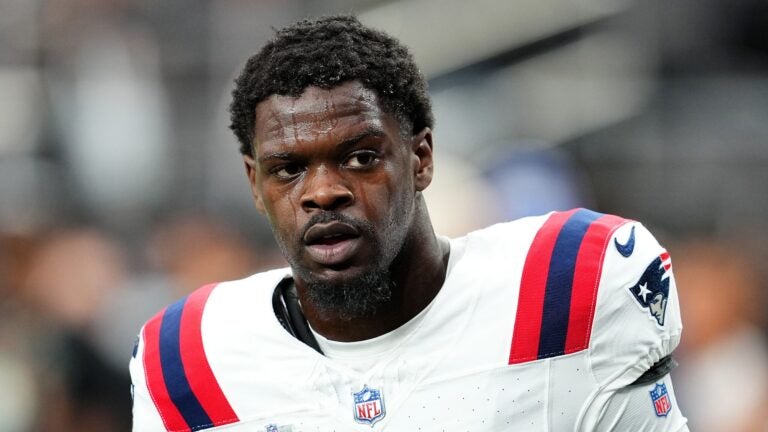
x,y
121,188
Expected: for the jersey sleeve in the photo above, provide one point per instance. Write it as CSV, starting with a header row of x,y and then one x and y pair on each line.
x,y
637,324
145,415
634,408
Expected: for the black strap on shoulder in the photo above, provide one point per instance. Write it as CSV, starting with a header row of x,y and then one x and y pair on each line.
x,y
285,303
657,371
281,313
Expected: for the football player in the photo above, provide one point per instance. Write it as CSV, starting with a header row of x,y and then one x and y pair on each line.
x,y
562,322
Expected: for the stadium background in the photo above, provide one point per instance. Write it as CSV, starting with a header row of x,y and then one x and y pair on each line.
x,y
121,187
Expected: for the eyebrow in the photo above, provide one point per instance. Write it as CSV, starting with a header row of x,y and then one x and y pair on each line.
x,y
275,156
370,131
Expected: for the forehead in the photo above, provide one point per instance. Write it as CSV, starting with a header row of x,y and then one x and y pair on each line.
x,y
318,112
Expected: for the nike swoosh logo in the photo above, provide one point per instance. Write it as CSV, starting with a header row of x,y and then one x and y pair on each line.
x,y
627,248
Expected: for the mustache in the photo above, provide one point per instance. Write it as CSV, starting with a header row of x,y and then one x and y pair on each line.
x,y
325,216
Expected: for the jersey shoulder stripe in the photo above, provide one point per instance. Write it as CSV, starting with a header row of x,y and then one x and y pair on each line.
x,y
179,378
558,287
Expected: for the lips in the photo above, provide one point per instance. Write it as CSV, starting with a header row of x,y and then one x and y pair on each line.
x,y
332,243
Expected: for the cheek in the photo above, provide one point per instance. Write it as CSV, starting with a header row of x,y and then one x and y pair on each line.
x,y
391,200
401,190
380,197
281,210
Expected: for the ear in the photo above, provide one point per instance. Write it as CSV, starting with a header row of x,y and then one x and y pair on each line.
x,y
252,173
421,147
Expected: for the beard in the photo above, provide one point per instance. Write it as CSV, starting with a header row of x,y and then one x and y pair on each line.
x,y
357,296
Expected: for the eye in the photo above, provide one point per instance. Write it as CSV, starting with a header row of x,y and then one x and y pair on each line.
x,y
362,159
288,171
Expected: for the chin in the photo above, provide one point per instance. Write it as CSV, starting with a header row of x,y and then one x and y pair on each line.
x,y
351,293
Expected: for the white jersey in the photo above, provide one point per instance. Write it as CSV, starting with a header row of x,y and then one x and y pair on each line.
x,y
542,324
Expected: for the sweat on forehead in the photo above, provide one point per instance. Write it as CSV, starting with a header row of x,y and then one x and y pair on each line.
x,y
316,109
343,114
326,53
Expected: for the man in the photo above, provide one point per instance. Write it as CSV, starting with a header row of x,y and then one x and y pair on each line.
x,y
546,323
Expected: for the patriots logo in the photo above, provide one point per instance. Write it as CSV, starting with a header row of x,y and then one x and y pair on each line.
x,y
652,290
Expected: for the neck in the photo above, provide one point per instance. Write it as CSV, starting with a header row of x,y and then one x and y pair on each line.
x,y
418,273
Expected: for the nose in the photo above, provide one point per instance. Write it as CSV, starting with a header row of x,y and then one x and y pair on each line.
x,y
326,190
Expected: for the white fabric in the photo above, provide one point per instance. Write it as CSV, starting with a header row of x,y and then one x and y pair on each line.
x,y
363,355
448,370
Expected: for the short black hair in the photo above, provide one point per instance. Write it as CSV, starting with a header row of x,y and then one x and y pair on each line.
x,y
327,52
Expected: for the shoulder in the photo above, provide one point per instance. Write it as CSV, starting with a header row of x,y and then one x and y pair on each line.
x,y
597,282
214,306
568,230
638,316
559,283
213,300
173,366
600,283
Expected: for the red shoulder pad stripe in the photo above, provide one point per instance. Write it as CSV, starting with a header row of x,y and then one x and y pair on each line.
x,y
181,383
586,279
525,346
559,283
201,379
153,372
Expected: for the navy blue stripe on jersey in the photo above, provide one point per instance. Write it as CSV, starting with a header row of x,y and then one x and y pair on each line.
x,y
175,378
557,296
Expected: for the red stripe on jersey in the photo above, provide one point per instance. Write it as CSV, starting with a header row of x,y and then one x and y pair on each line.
x,y
153,372
586,278
665,260
198,371
533,283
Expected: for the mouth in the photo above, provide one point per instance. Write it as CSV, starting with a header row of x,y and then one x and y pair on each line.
x,y
332,243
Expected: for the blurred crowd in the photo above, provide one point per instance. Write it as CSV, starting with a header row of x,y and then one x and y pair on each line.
x,y
722,381
74,299
121,189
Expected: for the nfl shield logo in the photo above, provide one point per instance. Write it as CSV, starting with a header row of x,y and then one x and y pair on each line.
x,y
369,406
661,402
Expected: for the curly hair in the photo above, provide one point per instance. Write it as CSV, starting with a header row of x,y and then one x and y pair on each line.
x,y
326,53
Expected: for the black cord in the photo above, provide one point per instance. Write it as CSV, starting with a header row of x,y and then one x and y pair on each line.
x,y
281,313
285,303
657,371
